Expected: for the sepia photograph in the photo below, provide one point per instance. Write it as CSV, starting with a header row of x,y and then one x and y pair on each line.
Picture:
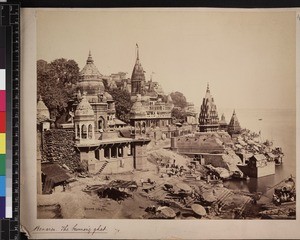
x,y
157,114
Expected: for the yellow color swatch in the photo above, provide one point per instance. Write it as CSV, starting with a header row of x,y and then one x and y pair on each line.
x,y
2,143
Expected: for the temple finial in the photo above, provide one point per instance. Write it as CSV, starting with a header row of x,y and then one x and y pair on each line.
x,y
207,87
137,52
90,59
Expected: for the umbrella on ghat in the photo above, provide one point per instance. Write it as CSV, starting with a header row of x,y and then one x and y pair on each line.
x,y
184,187
168,212
198,209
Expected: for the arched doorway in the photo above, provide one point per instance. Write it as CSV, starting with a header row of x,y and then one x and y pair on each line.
x,y
101,123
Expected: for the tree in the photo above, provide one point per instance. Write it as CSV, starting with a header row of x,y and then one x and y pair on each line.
x,y
179,100
122,102
56,83
178,114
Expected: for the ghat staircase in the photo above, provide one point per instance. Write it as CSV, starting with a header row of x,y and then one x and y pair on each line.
x,y
102,167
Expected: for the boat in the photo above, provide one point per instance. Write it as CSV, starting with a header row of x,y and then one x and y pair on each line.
x,y
285,192
278,153
259,119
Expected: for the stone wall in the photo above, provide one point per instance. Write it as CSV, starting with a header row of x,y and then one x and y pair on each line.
x,y
59,145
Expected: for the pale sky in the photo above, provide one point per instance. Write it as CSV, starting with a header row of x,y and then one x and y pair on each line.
x,y
248,58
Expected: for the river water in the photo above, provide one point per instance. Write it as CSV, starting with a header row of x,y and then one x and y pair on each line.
x,y
277,125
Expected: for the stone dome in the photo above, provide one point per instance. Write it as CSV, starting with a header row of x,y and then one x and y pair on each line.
x,y
102,97
90,79
169,99
42,109
108,96
138,108
84,108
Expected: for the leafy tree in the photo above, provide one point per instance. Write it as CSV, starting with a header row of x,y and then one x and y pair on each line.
x,y
56,83
122,102
178,114
179,100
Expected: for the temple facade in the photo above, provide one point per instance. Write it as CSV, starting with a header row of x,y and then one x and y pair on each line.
x,y
91,84
151,109
208,117
96,128
107,153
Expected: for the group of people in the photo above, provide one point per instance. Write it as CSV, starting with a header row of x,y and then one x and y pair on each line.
x,y
173,169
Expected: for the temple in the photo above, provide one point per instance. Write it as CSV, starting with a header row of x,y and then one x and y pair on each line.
x,y
150,108
138,76
106,153
234,127
90,133
208,117
191,114
223,124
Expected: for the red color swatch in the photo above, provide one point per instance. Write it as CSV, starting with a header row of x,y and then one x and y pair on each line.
x,y
2,122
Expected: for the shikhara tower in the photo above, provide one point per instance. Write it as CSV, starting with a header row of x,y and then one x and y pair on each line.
x,y
138,76
234,127
208,117
150,109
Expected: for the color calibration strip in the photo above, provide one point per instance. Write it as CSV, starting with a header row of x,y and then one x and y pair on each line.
x,y
2,121
5,121
10,115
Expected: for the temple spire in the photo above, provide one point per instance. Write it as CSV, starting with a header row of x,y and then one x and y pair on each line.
x,y
137,52
90,59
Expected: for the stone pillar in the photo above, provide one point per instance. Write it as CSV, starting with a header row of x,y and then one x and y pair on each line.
x,y
93,131
101,153
80,129
122,151
125,149
109,152
140,156
174,144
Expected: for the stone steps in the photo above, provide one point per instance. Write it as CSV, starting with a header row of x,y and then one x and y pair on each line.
x,y
102,168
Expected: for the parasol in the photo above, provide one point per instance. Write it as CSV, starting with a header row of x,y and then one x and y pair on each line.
x,y
198,209
184,187
168,212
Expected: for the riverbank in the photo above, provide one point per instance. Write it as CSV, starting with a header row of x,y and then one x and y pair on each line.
x,y
219,202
